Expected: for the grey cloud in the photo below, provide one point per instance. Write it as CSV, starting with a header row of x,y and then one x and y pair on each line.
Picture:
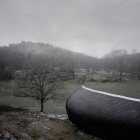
x,y
93,27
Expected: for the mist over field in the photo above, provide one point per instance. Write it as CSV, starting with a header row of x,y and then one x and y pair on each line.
x,y
51,48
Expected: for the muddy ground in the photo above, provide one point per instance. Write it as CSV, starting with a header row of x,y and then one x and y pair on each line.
x,y
21,124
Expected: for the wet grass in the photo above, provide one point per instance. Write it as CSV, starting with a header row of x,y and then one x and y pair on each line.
x,y
125,88
55,107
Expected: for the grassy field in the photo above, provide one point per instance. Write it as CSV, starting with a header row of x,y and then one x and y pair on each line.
x,y
57,107
60,130
125,88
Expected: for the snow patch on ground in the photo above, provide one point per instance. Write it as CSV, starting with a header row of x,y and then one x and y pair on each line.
x,y
55,116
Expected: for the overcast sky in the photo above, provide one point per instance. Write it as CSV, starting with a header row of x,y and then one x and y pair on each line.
x,y
93,27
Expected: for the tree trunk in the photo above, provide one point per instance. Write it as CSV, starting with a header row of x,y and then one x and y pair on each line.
x,y
73,74
139,76
120,76
42,106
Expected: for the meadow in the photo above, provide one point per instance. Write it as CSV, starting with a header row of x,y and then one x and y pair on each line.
x,y
129,88
54,107
125,88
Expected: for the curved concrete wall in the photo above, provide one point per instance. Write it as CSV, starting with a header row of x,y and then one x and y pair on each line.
x,y
104,115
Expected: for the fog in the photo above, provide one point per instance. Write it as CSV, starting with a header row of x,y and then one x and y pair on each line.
x,y
93,27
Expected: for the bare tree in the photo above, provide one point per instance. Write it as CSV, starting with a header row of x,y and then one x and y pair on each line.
x,y
134,66
110,62
121,57
39,83
115,61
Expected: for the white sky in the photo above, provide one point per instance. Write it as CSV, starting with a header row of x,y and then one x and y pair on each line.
x,y
93,27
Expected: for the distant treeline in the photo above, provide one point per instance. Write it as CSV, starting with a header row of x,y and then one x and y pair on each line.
x,y
16,56
122,63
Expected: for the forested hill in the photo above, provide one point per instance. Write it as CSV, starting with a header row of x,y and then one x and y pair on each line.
x,y
15,56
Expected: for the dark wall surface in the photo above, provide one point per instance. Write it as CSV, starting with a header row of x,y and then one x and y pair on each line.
x,y
104,116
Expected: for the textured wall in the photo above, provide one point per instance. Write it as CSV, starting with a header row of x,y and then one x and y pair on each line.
x,y
105,116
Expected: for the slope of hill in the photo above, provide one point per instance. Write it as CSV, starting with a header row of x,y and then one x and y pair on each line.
x,y
15,56
26,49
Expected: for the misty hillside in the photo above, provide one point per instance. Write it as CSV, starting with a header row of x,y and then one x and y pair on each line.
x,y
15,56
